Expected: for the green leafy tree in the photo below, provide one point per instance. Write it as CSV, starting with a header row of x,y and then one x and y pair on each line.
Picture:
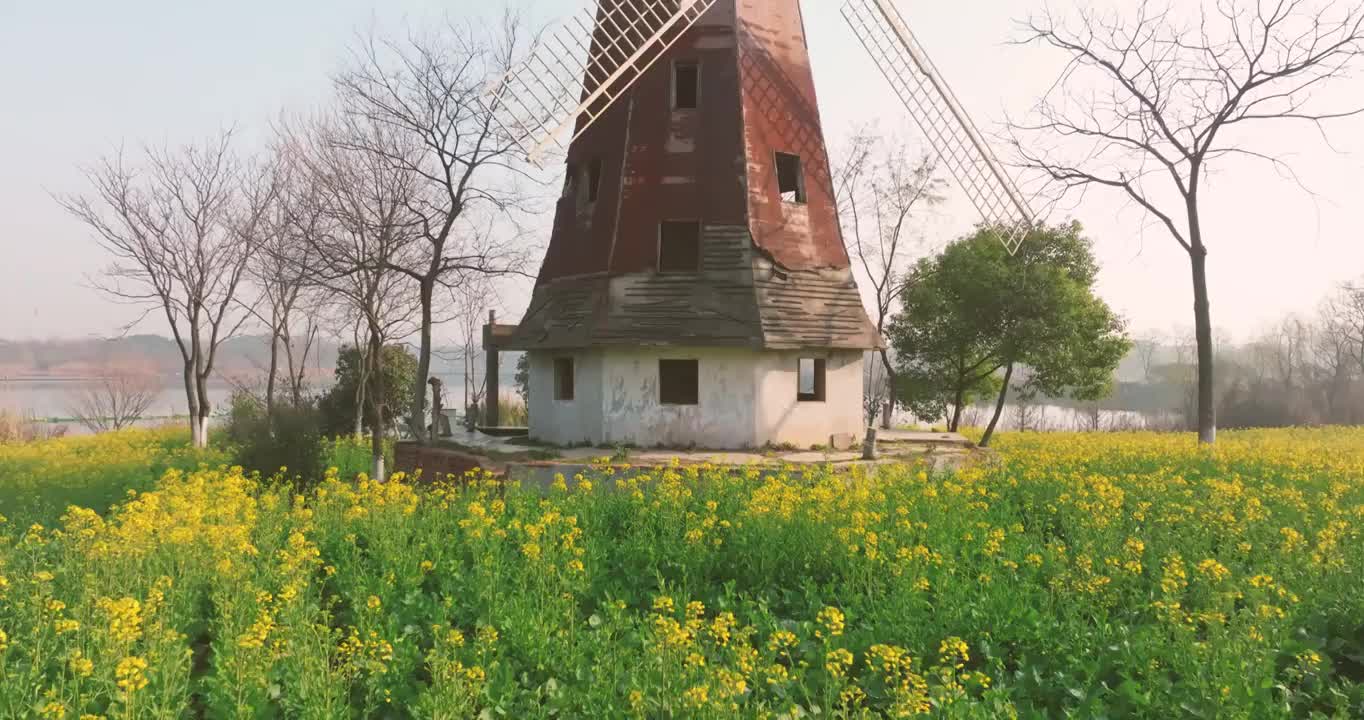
x,y
339,406
973,312
523,378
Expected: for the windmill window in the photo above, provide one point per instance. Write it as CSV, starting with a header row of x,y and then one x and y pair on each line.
x,y
810,380
679,246
679,382
790,178
563,379
686,86
593,180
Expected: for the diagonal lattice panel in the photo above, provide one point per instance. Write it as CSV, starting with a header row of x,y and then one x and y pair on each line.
x,y
940,116
577,72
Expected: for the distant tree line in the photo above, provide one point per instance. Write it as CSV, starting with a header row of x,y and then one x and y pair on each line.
x,y
1300,370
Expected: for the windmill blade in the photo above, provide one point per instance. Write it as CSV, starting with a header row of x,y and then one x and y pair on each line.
x,y
576,73
941,117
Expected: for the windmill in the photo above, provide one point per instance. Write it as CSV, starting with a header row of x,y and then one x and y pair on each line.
x,y
696,290
592,60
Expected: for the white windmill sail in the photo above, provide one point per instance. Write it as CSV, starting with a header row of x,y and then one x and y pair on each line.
x,y
941,117
577,72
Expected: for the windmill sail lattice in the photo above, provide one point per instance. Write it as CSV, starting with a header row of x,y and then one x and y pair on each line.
x,y
941,117
577,72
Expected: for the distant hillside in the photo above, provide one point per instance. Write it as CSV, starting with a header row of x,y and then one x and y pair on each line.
x,y
58,359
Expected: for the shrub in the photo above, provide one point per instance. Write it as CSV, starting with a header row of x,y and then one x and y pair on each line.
x,y
291,438
338,404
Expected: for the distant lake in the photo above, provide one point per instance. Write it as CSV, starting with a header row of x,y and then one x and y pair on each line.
x,y
49,400
52,400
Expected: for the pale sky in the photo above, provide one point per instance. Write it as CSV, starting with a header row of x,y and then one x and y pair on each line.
x,y
77,77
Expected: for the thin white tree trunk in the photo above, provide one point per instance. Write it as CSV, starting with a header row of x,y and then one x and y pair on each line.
x,y
378,474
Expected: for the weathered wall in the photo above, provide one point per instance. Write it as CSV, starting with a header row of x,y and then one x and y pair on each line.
x,y
566,422
723,419
748,399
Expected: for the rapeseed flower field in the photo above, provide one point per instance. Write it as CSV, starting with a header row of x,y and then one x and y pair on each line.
x,y
1079,576
38,480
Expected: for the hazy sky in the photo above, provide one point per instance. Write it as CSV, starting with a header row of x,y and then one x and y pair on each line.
x,y
77,77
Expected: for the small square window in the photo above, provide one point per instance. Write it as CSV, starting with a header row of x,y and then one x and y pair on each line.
x,y
679,246
593,180
790,178
563,379
686,86
810,380
679,382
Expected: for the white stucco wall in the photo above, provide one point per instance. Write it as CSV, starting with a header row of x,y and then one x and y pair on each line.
x,y
566,422
747,399
724,417
781,418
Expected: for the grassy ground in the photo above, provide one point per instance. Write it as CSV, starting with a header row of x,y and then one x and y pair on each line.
x,y
1083,576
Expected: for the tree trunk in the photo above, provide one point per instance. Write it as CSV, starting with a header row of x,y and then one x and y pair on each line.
x,y
1207,409
192,403
205,410
957,401
270,381
890,387
417,420
378,402
999,406
361,386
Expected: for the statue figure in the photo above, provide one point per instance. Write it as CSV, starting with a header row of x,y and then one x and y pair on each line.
x,y
440,425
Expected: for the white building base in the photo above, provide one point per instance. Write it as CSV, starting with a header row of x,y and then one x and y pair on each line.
x,y
746,399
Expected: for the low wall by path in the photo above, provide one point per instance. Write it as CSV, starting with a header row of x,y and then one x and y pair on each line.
x,y
438,462
940,452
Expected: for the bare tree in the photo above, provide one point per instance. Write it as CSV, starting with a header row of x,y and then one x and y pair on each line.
x,y
1348,305
469,305
116,400
367,229
466,185
1335,347
882,190
181,231
1290,340
283,271
877,394
1146,348
1148,104
1027,411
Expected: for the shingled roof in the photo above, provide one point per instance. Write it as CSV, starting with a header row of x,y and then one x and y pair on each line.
x,y
740,298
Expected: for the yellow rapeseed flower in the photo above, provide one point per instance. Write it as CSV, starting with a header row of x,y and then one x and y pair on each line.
x,y
830,621
838,661
130,674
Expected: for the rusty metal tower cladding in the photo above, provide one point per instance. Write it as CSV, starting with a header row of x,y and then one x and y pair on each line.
x,y
698,140
698,214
